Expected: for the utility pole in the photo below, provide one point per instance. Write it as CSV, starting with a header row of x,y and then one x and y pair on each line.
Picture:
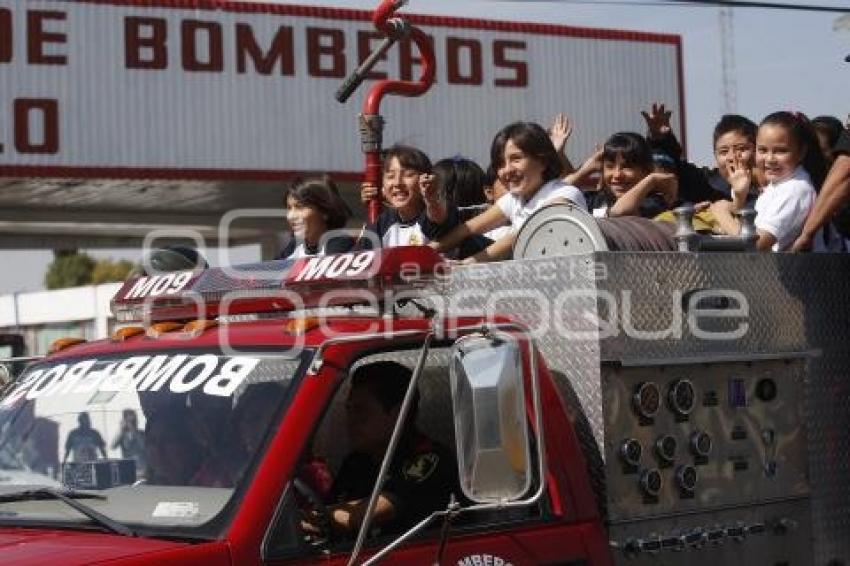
x,y
727,60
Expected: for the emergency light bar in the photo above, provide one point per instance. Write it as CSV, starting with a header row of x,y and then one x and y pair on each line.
x,y
276,286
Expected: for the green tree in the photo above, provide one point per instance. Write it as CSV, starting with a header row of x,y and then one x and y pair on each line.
x,y
69,268
107,271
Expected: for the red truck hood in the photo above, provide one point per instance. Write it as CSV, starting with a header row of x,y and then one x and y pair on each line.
x,y
37,546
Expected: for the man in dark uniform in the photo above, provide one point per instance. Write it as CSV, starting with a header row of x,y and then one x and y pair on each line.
x,y
423,473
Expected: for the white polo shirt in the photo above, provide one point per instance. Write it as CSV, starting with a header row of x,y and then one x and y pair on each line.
x,y
517,210
782,208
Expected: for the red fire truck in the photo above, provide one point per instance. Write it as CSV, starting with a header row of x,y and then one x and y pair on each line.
x,y
605,405
700,456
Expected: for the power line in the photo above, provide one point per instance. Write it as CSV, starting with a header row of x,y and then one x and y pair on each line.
x,y
704,4
767,5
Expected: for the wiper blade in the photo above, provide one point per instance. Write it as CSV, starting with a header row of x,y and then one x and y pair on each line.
x,y
69,497
46,493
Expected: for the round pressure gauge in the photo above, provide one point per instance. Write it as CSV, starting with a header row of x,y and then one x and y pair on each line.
x,y
665,447
682,397
631,451
700,443
650,482
686,478
647,399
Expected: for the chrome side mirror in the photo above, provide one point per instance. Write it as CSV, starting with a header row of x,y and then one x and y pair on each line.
x,y
490,422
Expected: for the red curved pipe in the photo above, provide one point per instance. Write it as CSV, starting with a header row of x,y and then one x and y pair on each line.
x,y
371,105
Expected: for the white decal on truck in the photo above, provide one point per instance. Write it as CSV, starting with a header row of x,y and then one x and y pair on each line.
x,y
157,285
331,267
179,372
483,560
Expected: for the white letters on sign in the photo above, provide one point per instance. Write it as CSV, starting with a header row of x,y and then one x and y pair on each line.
x,y
335,266
178,373
157,285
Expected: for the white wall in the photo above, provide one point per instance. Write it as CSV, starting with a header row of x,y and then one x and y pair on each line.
x,y
63,306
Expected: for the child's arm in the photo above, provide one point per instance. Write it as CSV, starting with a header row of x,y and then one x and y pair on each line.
x,y
487,220
834,193
591,165
726,220
765,241
497,251
435,203
629,203
560,133
740,179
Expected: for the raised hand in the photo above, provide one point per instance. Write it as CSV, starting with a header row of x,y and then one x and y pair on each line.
x,y
740,177
657,120
368,192
429,187
560,131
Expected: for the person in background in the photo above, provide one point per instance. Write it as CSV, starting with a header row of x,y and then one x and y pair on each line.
x,y
422,474
828,130
787,152
834,195
416,212
528,164
313,209
462,181
734,135
131,440
84,442
493,186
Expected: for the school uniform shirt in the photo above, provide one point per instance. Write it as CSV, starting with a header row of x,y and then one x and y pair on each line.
x,y
497,233
392,231
782,208
295,249
517,210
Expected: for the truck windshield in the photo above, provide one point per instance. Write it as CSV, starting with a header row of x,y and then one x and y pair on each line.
x,y
166,438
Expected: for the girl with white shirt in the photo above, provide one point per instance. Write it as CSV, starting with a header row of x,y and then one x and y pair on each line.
x,y
528,165
314,209
787,154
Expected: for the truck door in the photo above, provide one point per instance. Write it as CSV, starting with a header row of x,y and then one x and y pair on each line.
x,y
491,538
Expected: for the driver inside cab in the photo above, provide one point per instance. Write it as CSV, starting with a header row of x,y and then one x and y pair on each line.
x,y
422,475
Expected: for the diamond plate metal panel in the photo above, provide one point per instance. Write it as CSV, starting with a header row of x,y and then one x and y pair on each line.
x,y
653,308
656,299
795,303
556,299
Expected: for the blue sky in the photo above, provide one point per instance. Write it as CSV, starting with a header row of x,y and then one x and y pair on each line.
x,y
784,60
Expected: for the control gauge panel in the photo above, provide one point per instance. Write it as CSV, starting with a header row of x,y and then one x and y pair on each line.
x,y
685,438
646,400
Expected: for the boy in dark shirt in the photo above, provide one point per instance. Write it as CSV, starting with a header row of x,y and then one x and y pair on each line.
x,y
733,135
416,210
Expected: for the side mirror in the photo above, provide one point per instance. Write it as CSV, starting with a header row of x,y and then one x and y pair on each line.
x,y
489,413
6,377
